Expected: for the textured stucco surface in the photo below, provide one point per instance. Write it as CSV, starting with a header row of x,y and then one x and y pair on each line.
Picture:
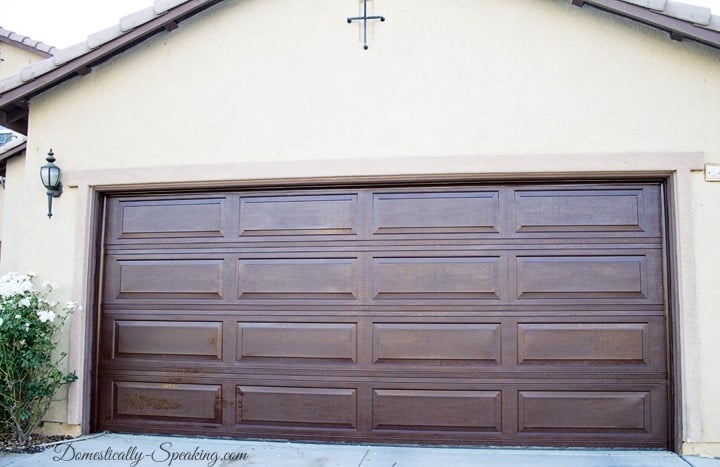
x,y
14,59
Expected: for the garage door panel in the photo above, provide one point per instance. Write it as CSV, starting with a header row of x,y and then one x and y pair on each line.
x,y
584,342
436,213
168,339
299,215
179,402
437,278
292,278
167,218
167,278
591,277
590,211
429,410
504,315
292,341
296,406
584,411
433,343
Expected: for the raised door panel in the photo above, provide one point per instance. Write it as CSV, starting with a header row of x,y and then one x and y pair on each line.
x,y
273,342
296,407
162,340
601,212
560,343
433,410
297,278
166,278
299,215
439,343
437,278
590,277
170,402
436,213
584,411
181,218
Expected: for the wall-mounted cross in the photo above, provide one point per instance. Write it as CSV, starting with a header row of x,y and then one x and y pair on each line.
x,y
364,18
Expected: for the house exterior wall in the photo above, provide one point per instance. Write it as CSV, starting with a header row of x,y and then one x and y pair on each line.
x,y
14,59
251,91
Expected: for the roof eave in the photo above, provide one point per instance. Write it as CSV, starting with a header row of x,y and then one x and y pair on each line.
x,y
13,101
14,151
27,48
677,28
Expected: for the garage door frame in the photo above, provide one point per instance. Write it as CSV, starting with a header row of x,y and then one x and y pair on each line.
x,y
670,245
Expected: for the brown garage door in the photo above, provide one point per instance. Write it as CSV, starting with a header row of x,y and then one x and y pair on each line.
x,y
497,315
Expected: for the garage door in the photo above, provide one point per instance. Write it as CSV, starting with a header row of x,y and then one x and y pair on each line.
x,y
487,315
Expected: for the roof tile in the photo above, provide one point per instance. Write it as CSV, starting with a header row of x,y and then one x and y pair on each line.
x,y
14,142
11,82
136,19
161,6
36,69
25,41
65,55
692,13
29,42
106,35
651,4
714,23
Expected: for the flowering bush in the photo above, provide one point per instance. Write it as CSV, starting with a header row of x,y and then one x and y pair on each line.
x,y
29,372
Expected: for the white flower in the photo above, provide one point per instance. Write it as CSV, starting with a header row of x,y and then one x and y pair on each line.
x,y
13,283
46,315
1,321
27,326
18,316
50,285
25,302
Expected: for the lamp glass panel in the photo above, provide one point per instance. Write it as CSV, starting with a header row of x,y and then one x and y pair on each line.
x,y
50,176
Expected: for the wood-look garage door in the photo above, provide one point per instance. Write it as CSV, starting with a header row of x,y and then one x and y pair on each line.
x,y
497,315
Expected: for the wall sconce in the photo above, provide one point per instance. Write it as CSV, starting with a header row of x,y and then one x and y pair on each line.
x,y
50,177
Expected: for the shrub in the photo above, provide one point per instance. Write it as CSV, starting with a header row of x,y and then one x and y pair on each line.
x,y
29,372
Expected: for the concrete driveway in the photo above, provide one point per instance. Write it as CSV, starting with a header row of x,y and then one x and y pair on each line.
x,y
143,451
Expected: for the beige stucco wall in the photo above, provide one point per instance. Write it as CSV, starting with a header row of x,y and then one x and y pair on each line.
x,y
14,59
274,89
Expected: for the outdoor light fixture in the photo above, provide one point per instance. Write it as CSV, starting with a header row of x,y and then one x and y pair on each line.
x,y
50,176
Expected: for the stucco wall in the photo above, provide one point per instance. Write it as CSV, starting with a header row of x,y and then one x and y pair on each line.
x,y
274,89
14,59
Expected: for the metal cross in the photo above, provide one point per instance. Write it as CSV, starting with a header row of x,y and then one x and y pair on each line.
x,y
364,19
